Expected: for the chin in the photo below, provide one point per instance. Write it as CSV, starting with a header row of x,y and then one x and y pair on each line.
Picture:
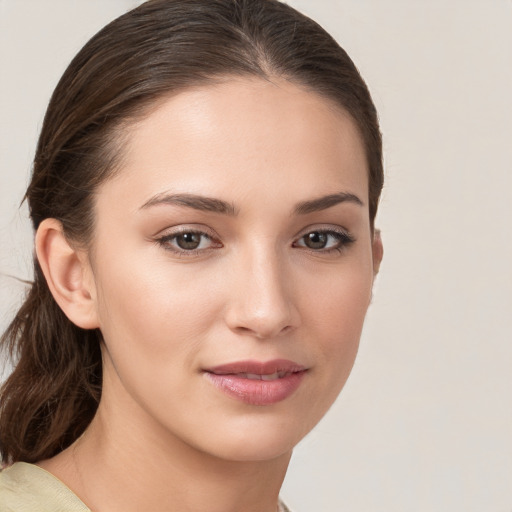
x,y
256,449
255,438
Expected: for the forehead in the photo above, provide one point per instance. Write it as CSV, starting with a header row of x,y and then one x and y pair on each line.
x,y
243,135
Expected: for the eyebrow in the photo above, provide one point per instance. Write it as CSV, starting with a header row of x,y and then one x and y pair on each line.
x,y
211,204
202,203
322,203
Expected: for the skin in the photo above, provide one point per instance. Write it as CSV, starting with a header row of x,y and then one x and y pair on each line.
x,y
164,437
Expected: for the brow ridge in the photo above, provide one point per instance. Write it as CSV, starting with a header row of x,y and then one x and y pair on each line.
x,y
197,202
322,203
211,204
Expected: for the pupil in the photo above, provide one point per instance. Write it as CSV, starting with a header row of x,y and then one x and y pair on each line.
x,y
188,240
316,240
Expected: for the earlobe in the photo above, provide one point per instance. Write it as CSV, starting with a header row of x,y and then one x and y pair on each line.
x,y
67,273
377,250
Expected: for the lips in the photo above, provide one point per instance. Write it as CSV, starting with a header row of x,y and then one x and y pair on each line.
x,y
257,383
255,376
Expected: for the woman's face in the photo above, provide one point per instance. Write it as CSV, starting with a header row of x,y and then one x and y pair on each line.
x,y
232,267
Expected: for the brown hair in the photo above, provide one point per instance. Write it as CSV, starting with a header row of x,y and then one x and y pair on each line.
x,y
163,46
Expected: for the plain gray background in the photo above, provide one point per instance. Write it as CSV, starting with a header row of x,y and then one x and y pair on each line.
x,y
425,421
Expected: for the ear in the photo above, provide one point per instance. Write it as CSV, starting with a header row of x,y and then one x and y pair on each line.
x,y
68,274
377,250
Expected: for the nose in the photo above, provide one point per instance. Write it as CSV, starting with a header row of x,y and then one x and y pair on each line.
x,y
262,302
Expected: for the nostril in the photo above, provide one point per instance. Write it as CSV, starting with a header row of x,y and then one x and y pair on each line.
x,y
262,333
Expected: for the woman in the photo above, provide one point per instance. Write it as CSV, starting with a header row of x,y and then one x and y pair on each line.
x,y
203,195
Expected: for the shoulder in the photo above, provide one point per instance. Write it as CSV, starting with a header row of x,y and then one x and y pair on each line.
x,y
28,488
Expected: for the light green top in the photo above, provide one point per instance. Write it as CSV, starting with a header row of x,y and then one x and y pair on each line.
x,y
28,488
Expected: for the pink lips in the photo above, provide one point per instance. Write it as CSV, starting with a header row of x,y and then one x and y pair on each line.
x,y
257,383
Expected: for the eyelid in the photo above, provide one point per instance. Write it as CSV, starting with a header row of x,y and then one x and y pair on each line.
x,y
345,237
324,228
164,238
186,228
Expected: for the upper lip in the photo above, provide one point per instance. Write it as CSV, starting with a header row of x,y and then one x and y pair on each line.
x,y
257,367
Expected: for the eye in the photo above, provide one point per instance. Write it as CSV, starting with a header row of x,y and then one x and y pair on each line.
x,y
325,240
188,241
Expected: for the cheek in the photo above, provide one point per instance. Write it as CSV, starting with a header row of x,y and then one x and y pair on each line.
x,y
337,300
152,322
144,298
335,314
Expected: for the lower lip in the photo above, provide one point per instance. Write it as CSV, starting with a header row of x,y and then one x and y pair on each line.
x,y
257,392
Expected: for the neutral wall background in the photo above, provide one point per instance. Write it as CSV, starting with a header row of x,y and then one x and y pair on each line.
x,y
425,421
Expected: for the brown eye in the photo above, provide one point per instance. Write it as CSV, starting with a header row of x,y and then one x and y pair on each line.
x,y
188,241
325,241
316,240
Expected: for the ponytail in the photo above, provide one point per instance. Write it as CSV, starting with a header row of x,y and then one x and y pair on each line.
x,y
54,390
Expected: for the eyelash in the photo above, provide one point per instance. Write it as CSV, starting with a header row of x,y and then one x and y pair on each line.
x,y
165,241
344,239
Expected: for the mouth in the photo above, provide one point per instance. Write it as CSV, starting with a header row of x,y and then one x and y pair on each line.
x,y
256,376
257,383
